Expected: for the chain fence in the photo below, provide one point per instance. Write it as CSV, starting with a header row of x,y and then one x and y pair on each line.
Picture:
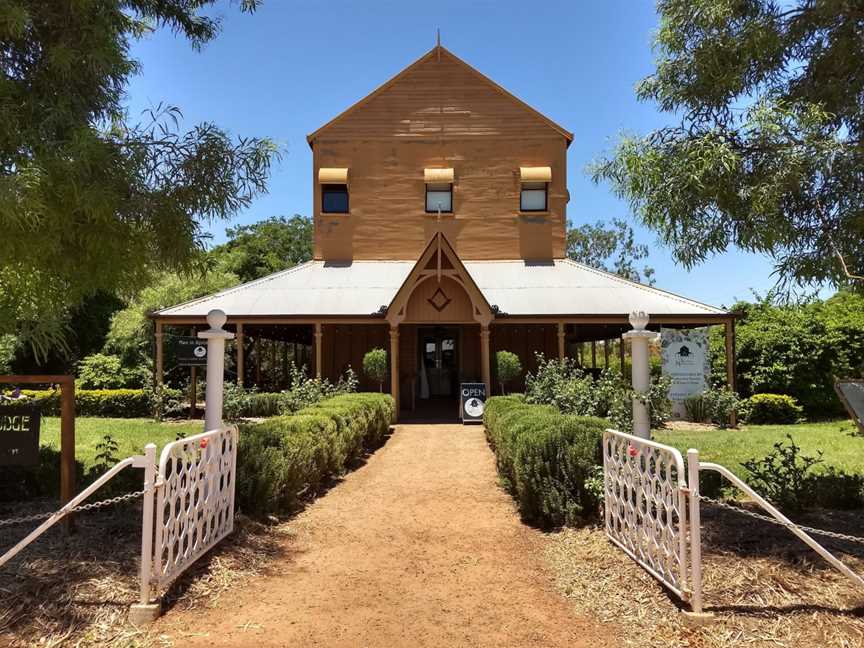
x,y
788,525
36,517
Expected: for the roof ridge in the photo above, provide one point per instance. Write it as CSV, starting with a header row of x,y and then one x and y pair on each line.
x,y
636,284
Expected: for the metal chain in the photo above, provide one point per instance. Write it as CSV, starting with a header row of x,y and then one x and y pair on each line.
x,y
788,525
82,507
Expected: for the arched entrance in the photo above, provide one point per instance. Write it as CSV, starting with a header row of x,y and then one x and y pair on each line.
x,y
439,333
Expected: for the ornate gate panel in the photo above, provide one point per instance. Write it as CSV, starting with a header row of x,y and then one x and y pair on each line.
x,y
645,495
195,505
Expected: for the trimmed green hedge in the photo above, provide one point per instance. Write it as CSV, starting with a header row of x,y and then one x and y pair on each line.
x,y
115,403
544,458
286,457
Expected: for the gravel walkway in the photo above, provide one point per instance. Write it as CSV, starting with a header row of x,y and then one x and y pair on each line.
x,y
419,547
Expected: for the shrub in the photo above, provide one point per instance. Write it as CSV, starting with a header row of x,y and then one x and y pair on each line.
x,y
100,371
546,459
565,385
771,408
307,391
784,476
375,366
720,404
113,403
284,458
694,409
507,367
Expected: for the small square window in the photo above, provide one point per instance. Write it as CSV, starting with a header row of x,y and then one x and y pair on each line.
x,y
533,197
439,197
334,199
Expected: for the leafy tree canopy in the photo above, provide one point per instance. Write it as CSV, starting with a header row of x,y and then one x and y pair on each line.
x,y
91,200
766,151
265,247
612,248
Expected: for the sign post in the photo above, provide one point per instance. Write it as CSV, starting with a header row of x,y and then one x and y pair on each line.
x,y
472,402
215,353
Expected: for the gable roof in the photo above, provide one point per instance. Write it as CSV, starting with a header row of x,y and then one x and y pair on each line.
x,y
438,50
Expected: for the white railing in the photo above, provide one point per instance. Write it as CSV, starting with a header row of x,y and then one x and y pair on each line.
x,y
645,505
195,501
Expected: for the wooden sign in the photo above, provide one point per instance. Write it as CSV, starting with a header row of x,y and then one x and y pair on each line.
x,y
19,435
191,352
851,393
472,402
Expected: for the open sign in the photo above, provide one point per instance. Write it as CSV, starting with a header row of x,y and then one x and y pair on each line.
x,y
472,402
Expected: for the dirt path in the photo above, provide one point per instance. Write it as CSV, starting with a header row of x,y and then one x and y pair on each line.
x,y
420,547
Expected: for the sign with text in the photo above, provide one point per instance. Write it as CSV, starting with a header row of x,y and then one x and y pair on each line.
x,y
19,435
687,362
191,352
472,402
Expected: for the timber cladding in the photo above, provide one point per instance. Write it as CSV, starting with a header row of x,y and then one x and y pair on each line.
x,y
440,113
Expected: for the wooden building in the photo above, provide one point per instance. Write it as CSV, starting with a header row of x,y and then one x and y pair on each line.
x,y
440,217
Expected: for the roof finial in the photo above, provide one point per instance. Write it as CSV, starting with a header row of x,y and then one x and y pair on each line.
x,y
438,40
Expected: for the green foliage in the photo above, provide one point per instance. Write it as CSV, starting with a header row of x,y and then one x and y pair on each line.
x,y
765,149
99,371
716,405
112,403
545,459
90,201
507,367
798,349
771,408
375,366
612,248
268,246
286,458
563,384
784,476
130,335
8,346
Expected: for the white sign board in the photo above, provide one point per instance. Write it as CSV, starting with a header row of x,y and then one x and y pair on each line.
x,y
687,361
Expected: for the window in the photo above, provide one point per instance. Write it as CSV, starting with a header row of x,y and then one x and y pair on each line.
x,y
439,197
334,198
533,197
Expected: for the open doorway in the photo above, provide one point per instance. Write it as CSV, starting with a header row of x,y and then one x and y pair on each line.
x,y
438,370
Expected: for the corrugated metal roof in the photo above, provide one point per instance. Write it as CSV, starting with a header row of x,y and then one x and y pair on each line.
x,y
560,287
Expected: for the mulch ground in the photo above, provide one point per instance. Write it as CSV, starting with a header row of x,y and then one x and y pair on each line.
x,y
765,587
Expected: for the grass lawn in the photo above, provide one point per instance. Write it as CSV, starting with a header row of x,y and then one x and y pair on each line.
x,y
841,447
131,435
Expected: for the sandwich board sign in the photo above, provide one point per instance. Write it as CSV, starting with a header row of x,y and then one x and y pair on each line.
x,y
472,402
19,435
191,352
851,393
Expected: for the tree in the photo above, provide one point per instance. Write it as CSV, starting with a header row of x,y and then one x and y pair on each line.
x,y
90,200
508,367
766,151
375,366
610,248
130,332
265,247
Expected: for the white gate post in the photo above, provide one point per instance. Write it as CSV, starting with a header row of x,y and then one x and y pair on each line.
x,y
641,378
215,337
697,616
147,610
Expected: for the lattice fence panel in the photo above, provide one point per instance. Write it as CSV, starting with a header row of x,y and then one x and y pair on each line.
x,y
645,505
195,505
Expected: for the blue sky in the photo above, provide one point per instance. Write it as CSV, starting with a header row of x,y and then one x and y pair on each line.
x,y
290,67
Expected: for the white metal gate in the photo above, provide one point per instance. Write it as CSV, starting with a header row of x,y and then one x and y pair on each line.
x,y
645,496
195,501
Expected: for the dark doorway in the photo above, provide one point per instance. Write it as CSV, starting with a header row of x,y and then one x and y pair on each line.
x,y
438,363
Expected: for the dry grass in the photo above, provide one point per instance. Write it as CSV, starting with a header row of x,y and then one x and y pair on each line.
x,y
765,587
76,591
